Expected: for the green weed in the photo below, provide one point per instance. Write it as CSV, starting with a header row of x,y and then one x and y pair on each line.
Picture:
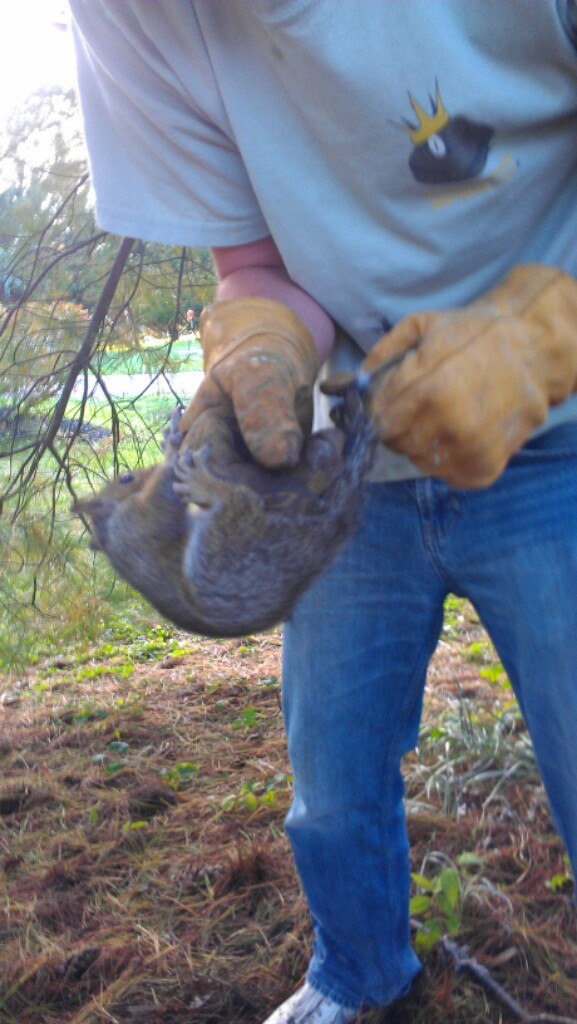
x,y
436,908
256,793
180,775
249,719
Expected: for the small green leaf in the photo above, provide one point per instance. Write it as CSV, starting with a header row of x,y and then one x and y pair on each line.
x,y
171,776
452,924
187,770
435,733
477,651
428,936
422,882
119,746
419,905
470,860
250,801
493,673
559,882
444,904
450,886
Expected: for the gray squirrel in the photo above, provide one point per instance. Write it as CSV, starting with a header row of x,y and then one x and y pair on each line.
x,y
222,546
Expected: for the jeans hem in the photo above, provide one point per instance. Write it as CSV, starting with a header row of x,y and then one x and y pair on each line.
x,y
332,990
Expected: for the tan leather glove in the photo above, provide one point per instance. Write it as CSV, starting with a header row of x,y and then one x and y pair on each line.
x,y
475,382
260,363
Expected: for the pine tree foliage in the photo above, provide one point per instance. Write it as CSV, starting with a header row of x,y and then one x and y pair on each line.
x,y
74,302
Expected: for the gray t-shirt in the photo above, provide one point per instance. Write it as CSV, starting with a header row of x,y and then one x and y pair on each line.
x,y
403,155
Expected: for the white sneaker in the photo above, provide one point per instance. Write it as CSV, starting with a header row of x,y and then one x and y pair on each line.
x,y
307,1006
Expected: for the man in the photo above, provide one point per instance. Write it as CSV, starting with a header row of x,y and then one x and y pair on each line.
x,y
405,182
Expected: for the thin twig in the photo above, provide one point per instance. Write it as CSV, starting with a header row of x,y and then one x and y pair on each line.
x,y
469,965
549,1018
466,964
73,192
49,266
82,357
173,334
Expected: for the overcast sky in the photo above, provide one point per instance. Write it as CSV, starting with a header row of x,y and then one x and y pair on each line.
x,y
34,52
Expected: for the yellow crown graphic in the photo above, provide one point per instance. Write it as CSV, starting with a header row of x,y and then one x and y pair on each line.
x,y
429,124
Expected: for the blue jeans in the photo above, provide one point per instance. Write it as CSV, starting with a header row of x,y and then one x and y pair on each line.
x,y
355,660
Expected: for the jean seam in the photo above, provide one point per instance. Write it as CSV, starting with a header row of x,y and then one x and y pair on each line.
x,y
430,545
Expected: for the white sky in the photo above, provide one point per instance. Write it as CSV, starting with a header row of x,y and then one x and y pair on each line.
x,y
34,53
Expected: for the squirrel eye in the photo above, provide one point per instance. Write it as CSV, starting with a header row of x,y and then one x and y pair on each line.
x,y
126,478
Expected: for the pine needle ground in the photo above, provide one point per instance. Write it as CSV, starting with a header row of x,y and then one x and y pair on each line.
x,y
145,876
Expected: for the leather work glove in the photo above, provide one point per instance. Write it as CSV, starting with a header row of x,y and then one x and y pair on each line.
x,y
460,391
260,363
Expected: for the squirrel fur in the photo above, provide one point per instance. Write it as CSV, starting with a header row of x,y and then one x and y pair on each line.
x,y
220,545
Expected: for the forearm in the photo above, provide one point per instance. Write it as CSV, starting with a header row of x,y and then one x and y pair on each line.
x,y
257,269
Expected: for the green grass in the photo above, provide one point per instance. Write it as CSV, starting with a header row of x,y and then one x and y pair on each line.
x,y
181,355
54,591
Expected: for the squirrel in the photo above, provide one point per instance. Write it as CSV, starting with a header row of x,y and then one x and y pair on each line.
x,y
218,544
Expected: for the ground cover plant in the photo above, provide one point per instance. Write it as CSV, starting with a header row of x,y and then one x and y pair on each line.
x,y
144,873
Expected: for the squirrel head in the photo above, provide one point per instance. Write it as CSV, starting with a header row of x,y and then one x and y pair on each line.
x,y
99,508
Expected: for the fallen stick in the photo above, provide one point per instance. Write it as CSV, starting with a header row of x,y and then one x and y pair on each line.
x,y
465,964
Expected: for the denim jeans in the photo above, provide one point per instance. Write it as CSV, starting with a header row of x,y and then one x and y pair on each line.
x,y
355,660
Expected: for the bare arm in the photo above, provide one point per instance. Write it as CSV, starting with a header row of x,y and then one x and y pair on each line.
x,y
257,269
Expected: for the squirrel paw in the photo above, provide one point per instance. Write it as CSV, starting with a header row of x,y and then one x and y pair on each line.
x,y
198,482
195,481
173,437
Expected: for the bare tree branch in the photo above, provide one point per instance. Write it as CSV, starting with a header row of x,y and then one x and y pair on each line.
x,y
173,334
78,364
45,272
